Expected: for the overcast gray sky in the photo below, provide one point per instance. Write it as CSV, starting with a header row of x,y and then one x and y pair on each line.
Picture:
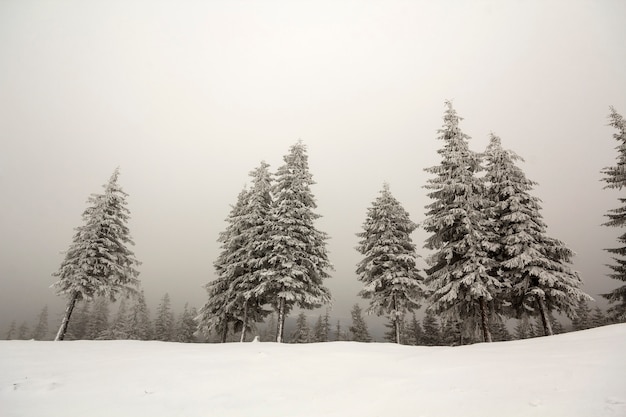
x,y
187,97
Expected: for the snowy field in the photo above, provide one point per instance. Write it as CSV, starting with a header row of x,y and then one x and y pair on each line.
x,y
575,374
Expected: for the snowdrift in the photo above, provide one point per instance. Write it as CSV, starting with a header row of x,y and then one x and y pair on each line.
x,y
575,374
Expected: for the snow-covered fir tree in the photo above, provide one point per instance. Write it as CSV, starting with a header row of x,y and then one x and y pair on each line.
x,y
358,329
431,329
164,321
252,257
598,318
12,332
460,277
302,333
99,262
40,332
615,177
534,267
322,328
583,319
393,284
219,312
23,332
99,319
298,261
77,329
186,325
139,323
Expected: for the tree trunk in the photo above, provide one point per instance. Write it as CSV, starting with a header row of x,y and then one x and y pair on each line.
x,y
484,320
66,318
396,322
245,322
281,320
547,326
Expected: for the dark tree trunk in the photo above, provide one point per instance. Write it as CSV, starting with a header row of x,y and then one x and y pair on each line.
x,y
484,320
66,318
547,326
396,322
245,322
281,320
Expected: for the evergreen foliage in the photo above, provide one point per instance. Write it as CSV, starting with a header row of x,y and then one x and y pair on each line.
x,y
186,325
139,323
598,318
12,332
98,262
534,267
615,177
164,321
23,331
524,329
413,331
298,260
120,327
98,322
321,329
583,319
302,333
77,329
359,326
460,278
41,330
393,284
430,326
219,311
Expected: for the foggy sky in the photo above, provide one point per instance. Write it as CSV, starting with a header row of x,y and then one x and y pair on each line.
x,y
188,97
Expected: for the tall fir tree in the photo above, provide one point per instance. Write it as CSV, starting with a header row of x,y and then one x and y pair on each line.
x,y
393,284
139,323
615,177
41,330
99,262
248,295
460,277
534,267
358,329
164,321
219,312
298,261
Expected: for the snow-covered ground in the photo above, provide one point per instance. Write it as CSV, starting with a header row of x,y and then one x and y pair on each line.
x,y
575,374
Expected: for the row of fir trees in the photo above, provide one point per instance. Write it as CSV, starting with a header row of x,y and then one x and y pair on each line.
x,y
491,256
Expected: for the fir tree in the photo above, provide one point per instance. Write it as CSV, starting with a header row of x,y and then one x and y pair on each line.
x,y
269,333
186,325
339,336
392,281
460,278
598,319
98,262
557,327
430,326
252,258
219,312
615,177
12,332
359,326
99,320
413,331
41,330
582,320
322,328
534,266
302,334
23,331
452,333
164,322
392,334
298,260
524,329
139,325
499,331
119,329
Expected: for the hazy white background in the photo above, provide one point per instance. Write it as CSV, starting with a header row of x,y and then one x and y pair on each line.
x,y
187,97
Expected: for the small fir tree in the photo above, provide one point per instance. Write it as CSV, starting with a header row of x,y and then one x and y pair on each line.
x,y
41,330
582,320
302,334
99,262
461,281
413,331
598,319
164,322
524,329
359,326
12,332
99,320
119,329
322,328
534,267
298,260
339,336
430,325
23,331
615,177
186,325
392,280
77,329
139,324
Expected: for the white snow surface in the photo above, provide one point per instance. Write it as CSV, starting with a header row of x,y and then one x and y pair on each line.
x,y
574,374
